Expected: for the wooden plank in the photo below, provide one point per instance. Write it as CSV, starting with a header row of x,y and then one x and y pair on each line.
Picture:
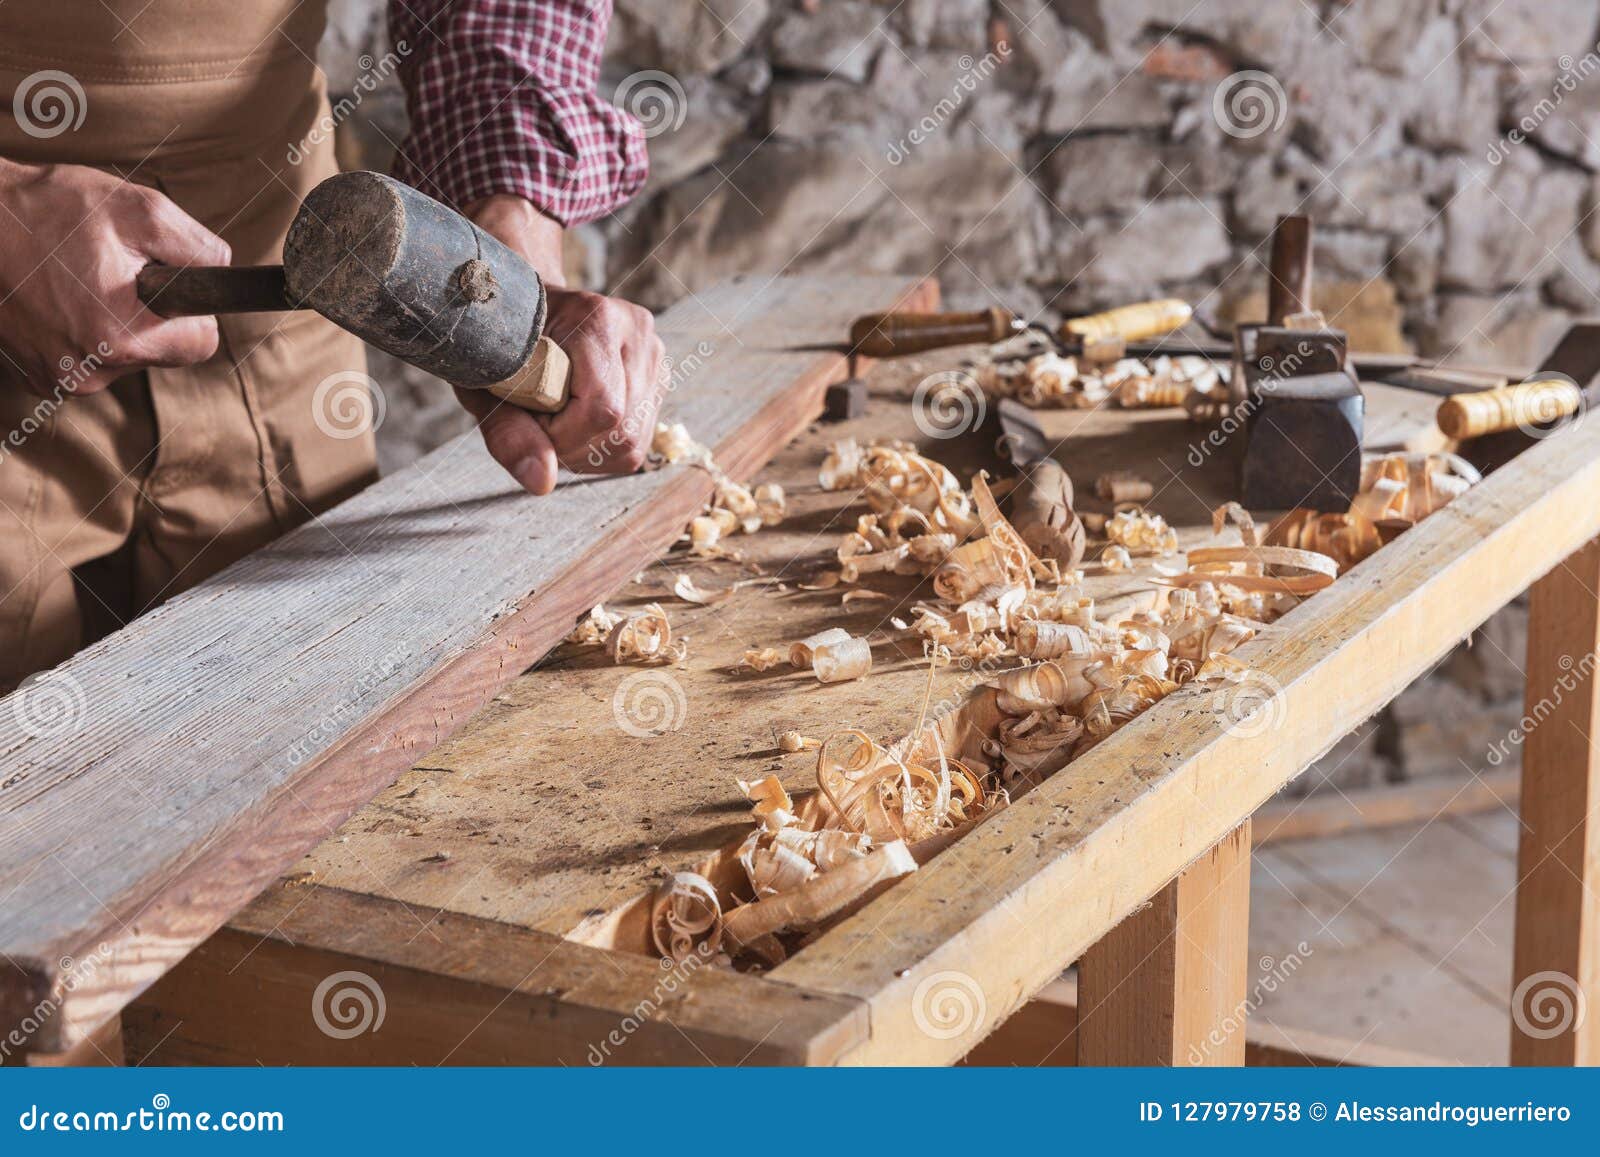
x,y
1167,985
1554,1013
1032,888
1337,812
218,738
467,992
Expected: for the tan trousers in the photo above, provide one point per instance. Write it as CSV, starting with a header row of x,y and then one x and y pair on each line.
x,y
113,502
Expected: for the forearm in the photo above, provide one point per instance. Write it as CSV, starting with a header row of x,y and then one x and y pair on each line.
x,y
503,100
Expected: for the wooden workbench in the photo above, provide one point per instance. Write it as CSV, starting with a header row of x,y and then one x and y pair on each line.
x,y
473,894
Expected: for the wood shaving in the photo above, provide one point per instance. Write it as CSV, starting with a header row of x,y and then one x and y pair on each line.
x,y
1116,558
763,658
685,589
645,637
839,660
793,741
1141,532
595,627
801,653
686,917
1123,486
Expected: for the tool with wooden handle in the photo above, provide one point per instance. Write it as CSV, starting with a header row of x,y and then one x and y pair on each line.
x,y
1526,404
402,272
887,335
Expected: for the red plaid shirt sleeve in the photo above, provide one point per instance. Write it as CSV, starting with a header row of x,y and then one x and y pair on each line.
x,y
502,100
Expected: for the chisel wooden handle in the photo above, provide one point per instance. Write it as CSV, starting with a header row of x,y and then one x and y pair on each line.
x,y
200,291
1526,404
1145,319
887,335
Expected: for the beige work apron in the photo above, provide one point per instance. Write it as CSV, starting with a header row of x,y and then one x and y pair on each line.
x,y
115,501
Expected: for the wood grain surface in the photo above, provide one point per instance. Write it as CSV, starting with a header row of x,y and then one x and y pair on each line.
x,y
214,741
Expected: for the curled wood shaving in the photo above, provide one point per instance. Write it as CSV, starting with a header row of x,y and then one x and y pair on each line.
x,y
793,741
594,627
771,504
644,637
842,659
801,653
686,917
1141,532
1116,558
827,895
763,658
685,589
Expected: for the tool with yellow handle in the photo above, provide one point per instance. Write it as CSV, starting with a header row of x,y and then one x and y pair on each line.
x,y
1525,405
887,335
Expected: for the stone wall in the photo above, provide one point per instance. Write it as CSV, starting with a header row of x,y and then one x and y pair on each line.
x,y
1059,155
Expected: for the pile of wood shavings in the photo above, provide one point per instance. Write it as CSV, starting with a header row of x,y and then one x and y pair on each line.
x,y
1049,380
734,507
879,812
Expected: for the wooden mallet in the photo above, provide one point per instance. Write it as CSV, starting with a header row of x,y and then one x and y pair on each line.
x,y
402,272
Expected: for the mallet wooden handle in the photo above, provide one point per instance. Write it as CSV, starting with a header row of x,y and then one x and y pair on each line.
x,y
887,335
1145,319
200,291
541,384
1525,404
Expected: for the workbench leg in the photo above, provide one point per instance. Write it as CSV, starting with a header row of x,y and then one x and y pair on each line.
x,y
1167,985
1556,963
